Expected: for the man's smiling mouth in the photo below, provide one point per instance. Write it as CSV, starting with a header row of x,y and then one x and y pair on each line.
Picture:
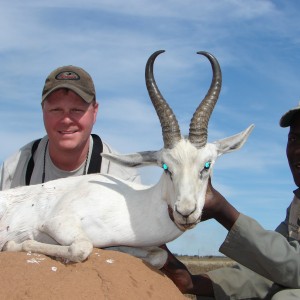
x,y
67,132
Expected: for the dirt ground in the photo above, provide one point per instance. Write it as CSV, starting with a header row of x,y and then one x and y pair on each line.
x,y
108,275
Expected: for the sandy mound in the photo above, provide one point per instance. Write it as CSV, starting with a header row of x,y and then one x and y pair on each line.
x,y
108,275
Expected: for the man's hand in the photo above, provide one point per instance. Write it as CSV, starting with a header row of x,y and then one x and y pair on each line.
x,y
183,279
217,207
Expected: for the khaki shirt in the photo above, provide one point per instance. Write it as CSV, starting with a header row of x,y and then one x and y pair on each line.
x,y
269,261
13,169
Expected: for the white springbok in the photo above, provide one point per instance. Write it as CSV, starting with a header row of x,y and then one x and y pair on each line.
x,y
68,217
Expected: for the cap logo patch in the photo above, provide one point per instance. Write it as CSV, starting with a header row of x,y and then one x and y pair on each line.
x,y
67,75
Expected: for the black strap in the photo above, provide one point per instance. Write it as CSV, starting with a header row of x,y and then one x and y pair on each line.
x,y
95,161
96,158
30,165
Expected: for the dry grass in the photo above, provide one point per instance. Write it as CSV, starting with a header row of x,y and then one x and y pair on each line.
x,y
198,265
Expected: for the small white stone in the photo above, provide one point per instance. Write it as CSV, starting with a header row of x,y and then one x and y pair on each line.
x,y
32,261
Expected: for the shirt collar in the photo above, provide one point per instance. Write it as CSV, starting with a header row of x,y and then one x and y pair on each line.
x,y
297,193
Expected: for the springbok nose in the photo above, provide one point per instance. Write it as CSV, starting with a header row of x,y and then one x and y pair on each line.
x,y
184,211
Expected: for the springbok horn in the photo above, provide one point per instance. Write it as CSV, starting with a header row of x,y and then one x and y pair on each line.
x,y
199,122
170,128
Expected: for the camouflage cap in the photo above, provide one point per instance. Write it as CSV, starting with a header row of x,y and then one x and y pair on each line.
x,y
73,78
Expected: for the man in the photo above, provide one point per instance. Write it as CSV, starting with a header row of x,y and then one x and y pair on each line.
x,y
269,261
69,112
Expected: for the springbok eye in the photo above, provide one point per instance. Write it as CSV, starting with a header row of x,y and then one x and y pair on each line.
x,y
207,165
165,166
205,169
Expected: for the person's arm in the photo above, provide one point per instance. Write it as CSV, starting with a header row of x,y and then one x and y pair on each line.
x,y
265,252
8,171
13,169
184,280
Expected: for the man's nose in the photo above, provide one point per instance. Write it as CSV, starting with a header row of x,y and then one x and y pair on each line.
x,y
67,116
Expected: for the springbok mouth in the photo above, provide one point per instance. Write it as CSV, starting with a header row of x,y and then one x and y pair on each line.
x,y
184,226
187,226
170,211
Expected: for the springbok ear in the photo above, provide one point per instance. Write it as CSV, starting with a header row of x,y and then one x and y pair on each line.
x,y
138,159
234,142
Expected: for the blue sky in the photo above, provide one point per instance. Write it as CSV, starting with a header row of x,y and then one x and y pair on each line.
x,y
256,42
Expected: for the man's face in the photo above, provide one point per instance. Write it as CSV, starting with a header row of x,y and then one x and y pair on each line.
x,y
293,148
68,119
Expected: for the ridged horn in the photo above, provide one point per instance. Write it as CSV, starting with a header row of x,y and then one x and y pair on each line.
x,y
170,128
199,122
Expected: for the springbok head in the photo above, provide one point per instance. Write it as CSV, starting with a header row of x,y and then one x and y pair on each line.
x,y
187,161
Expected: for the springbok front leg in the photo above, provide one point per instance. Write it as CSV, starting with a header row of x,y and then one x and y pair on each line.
x,y
73,244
